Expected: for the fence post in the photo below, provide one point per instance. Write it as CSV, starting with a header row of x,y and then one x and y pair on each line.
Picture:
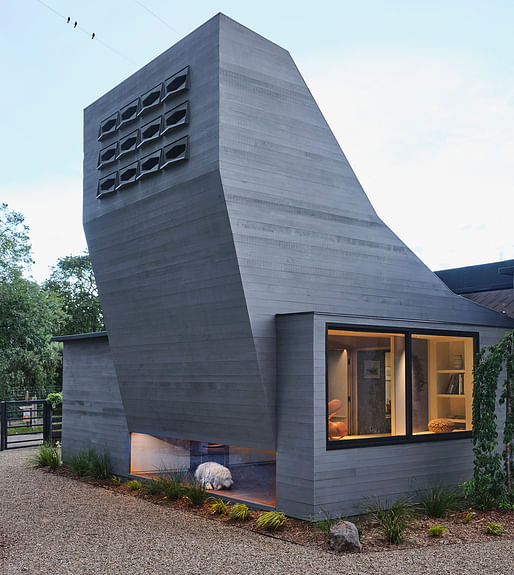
x,y
3,426
47,421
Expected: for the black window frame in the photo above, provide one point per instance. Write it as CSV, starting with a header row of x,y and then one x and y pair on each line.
x,y
408,437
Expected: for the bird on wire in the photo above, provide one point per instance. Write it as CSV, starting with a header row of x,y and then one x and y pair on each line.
x,y
68,20
75,25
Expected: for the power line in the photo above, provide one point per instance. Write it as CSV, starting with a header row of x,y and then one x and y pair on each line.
x,y
91,35
158,17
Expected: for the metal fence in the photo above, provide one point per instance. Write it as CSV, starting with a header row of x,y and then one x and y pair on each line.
x,y
27,423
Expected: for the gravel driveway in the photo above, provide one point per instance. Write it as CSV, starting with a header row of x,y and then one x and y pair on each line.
x,y
59,526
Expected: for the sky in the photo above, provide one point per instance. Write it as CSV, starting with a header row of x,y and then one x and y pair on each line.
x,y
419,94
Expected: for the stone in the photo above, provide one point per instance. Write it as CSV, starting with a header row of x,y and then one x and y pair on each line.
x,y
344,538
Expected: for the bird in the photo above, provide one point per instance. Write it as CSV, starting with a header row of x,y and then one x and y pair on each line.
x,y
92,36
75,25
68,20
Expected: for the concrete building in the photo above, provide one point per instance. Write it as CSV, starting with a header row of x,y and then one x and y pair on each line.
x,y
259,312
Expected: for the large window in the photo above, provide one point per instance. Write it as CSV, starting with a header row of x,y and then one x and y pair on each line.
x,y
386,384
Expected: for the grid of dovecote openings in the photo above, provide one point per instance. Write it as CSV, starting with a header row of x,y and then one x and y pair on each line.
x,y
126,153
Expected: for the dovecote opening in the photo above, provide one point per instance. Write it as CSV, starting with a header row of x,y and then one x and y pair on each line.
x,y
175,118
151,99
177,83
127,175
175,152
150,131
107,185
129,113
108,126
149,164
128,144
107,155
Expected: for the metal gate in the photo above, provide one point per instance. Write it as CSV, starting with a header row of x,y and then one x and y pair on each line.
x,y
25,423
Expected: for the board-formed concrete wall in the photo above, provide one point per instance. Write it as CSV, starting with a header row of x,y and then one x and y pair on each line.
x,y
93,414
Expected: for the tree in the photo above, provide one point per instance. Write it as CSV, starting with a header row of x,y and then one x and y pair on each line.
x,y
28,317
73,281
14,243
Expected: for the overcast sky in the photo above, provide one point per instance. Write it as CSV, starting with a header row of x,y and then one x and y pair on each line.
x,y
419,93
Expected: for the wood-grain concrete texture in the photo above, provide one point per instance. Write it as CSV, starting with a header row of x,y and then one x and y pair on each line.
x,y
168,276
93,414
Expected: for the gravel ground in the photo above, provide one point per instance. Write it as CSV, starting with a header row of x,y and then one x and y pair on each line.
x,y
55,525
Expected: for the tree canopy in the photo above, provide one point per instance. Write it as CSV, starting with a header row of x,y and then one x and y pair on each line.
x,y
73,281
31,314
14,243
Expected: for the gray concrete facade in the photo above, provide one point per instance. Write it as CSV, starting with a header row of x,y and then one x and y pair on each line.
x,y
262,215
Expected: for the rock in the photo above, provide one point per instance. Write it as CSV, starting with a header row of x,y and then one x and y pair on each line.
x,y
344,538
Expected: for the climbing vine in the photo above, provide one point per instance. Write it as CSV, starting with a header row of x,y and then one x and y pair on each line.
x,y
491,485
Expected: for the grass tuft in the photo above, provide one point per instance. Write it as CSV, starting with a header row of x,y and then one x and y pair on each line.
x,y
218,506
47,456
270,520
393,518
495,529
90,463
240,512
437,530
134,485
438,501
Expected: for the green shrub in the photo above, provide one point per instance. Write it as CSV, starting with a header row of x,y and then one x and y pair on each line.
x,y
393,518
133,485
437,501
218,506
239,512
47,456
437,530
270,520
196,492
115,480
90,463
495,529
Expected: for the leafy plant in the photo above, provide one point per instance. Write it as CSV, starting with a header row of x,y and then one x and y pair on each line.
x,y
495,529
270,520
47,456
115,480
133,485
439,500
196,492
218,506
469,517
393,518
491,484
437,530
239,512
55,400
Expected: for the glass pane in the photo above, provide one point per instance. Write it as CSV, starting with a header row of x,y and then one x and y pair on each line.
x,y
251,472
366,384
442,383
